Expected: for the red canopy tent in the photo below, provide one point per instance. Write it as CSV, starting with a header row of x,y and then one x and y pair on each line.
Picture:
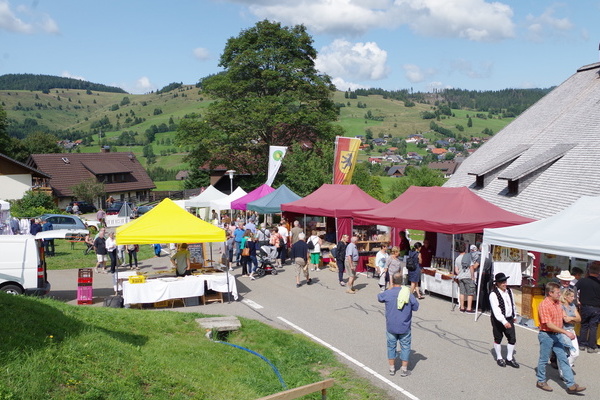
x,y
338,201
441,209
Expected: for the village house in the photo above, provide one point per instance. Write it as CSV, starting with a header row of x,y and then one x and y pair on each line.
x,y
396,170
17,178
446,167
124,177
545,159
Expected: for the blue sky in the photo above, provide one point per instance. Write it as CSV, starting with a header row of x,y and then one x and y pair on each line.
x,y
143,45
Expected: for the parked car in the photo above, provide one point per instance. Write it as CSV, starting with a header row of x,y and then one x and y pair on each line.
x,y
143,210
22,269
116,207
60,221
84,207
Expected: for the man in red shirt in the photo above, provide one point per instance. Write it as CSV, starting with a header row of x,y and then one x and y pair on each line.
x,y
551,327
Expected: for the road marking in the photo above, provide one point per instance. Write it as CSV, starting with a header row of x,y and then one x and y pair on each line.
x,y
252,304
352,360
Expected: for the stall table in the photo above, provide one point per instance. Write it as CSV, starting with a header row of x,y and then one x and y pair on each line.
x,y
168,288
435,281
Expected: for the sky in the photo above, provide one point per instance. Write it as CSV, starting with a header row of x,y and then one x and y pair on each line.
x,y
143,45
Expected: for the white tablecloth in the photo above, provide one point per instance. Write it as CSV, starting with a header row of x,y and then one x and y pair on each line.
x,y
444,287
160,289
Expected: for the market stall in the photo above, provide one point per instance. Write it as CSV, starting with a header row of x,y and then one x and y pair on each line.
x,y
225,203
444,210
169,223
272,202
335,201
259,192
571,233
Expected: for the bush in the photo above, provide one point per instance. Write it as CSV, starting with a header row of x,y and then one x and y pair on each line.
x,y
33,204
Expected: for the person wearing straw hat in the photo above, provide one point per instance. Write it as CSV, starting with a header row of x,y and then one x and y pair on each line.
x,y
503,320
565,279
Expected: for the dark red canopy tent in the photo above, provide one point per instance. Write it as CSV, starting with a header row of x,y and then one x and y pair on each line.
x,y
337,201
441,209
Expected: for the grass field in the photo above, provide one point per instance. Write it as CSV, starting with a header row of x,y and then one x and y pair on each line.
x,y
58,351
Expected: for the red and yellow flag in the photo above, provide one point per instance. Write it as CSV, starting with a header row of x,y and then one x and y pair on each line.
x,y
346,152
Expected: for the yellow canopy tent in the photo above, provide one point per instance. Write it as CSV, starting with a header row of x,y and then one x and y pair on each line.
x,y
168,223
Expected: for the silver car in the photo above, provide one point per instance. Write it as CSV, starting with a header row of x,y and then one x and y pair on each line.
x,y
60,221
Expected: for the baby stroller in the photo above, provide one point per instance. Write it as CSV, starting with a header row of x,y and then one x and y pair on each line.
x,y
266,261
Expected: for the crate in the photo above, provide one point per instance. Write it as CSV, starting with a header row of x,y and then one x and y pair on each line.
x,y
162,304
85,275
84,295
137,279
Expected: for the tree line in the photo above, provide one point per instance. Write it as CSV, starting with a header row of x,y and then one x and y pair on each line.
x,y
47,82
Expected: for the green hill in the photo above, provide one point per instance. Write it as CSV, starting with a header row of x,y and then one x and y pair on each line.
x,y
129,122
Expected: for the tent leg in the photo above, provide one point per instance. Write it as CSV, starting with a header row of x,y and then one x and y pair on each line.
x,y
452,273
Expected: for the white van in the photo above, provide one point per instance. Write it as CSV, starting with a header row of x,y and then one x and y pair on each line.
x,y
22,265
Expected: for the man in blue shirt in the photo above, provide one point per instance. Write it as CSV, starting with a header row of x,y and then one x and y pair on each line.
x,y
399,306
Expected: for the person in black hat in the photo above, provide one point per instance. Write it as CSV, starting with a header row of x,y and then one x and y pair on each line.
x,y
503,317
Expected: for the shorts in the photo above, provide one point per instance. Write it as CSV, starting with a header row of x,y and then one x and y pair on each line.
x,y
300,266
467,287
314,258
350,268
101,257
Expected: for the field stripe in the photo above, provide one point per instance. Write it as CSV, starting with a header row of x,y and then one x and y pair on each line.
x,y
352,360
252,304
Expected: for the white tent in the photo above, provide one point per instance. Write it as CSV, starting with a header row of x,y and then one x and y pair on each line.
x,y
225,203
203,199
4,205
574,232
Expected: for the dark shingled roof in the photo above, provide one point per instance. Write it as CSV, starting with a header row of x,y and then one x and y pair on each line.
x,y
68,169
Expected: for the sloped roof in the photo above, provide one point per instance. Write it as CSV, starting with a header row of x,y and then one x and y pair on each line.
x,y
271,203
68,169
19,166
565,121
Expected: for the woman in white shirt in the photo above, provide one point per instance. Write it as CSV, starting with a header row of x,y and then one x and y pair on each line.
x,y
315,252
380,259
111,248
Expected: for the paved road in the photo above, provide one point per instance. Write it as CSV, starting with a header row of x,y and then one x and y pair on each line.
x,y
451,357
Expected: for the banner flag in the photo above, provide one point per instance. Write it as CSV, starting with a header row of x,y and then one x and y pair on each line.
x,y
346,152
276,154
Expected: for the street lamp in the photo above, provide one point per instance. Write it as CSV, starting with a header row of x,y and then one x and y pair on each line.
x,y
230,172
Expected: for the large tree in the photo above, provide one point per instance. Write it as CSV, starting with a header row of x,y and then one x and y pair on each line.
x,y
269,94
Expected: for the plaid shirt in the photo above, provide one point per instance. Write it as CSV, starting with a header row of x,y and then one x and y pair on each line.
x,y
549,311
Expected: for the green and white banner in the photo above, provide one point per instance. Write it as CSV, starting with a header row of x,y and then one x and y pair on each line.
x,y
276,154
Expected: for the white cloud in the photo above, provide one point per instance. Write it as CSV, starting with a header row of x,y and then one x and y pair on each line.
x,y
140,86
356,61
476,20
10,22
547,25
201,53
436,85
48,25
67,74
416,74
342,85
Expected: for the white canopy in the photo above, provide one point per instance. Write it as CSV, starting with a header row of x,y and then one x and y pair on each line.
x,y
225,203
574,232
4,205
203,199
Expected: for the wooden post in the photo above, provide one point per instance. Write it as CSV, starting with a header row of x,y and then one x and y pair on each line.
x,y
302,391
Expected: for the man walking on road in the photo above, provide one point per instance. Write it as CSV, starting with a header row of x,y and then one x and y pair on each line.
x,y
551,327
350,263
589,297
503,320
299,254
399,306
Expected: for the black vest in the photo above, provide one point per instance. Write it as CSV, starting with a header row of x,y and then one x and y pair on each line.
x,y
501,301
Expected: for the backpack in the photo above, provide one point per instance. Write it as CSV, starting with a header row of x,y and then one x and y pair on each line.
x,y
465,263
334,252
311,244
412,261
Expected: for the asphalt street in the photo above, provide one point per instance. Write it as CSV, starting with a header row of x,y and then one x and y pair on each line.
x,y
451,355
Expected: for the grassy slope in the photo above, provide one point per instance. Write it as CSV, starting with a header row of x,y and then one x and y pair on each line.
x,y
58,351
399,121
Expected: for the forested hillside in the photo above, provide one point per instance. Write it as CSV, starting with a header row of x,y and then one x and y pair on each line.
x,y
44,83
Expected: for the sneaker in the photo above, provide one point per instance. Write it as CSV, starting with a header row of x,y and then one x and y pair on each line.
x,y
470,311
582,348
575,389
590,350
309,281
351,291
298,285
404,372
392,371
342,283
544,386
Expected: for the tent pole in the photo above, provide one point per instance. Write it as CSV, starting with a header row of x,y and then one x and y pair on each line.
x,y
484,248
452,273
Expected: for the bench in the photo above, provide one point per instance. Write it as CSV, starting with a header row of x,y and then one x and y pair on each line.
x,y
219,324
